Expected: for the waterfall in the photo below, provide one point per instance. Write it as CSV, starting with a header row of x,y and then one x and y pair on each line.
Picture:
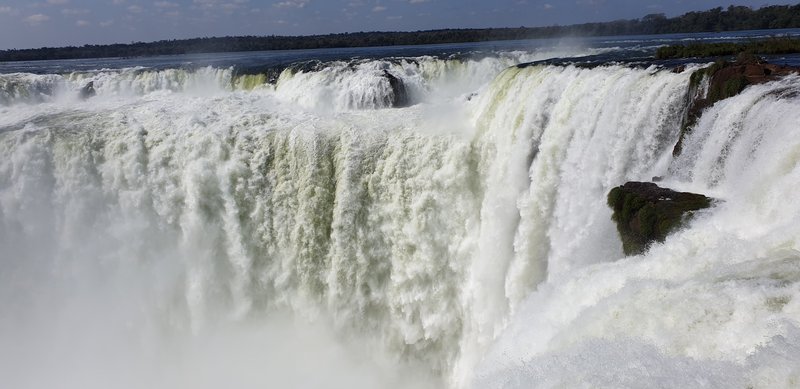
x,y
465,238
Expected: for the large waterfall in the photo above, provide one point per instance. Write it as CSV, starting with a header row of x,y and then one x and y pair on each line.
x,y
199,228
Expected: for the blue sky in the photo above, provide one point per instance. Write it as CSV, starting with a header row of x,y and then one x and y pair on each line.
x,y
25,24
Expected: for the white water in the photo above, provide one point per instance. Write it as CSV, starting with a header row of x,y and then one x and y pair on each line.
x,y
336,86
714,306
172,236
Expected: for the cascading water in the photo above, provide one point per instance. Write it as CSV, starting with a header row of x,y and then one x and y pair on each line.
x,y
714,305
175,228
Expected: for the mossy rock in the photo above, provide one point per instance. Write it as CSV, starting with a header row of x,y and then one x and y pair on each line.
x,y
725,80
646,213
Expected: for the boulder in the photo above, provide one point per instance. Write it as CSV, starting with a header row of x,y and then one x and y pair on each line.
x,y
646,213
87,91
399,94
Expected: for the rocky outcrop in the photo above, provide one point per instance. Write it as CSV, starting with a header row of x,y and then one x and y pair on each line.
x,y
646,213
87,91
399,94
726,79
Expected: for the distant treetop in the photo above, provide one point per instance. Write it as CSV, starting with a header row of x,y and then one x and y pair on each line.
x,y
734,18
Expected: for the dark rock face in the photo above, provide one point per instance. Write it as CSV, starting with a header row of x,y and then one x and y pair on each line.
x,y
646,213
87,91
399,93
727,79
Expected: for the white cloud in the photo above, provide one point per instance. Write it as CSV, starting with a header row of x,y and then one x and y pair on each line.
x,y
230,7
118,2
165,4
379,8
417,1
398,17
547,6
73,12
36,19
57,2
5,10
106,23
135,9
82,23
292,3
592,3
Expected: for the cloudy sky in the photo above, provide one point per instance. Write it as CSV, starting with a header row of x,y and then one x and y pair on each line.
x,y
25,24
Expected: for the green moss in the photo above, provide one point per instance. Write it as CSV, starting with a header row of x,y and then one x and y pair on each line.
x,y
729,88
614,197
647,219
646,213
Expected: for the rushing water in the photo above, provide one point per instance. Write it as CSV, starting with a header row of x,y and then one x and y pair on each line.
x,y
210,225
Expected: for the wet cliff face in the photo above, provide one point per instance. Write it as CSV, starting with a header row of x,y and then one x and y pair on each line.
x,y
646,213
723,80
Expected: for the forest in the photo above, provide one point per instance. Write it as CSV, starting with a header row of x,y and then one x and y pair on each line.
x,y
718,19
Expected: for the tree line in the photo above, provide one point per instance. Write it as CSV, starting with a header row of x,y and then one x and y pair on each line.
x,y
771,46
718,19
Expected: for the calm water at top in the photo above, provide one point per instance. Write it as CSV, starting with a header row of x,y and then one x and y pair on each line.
x,y
620,48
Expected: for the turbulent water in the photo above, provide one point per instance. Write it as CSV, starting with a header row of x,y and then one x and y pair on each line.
x,y
206,228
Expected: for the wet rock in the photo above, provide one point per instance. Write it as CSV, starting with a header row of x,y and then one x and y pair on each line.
x,y
87,91
646,213
726,79
399,94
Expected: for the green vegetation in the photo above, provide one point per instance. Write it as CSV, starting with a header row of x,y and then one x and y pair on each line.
x,y
730,86
646,213
718,19
763,47
725,79
697,77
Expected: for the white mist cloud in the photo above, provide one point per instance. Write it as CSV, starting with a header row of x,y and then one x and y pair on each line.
x,y
82,23
57,2
379,8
